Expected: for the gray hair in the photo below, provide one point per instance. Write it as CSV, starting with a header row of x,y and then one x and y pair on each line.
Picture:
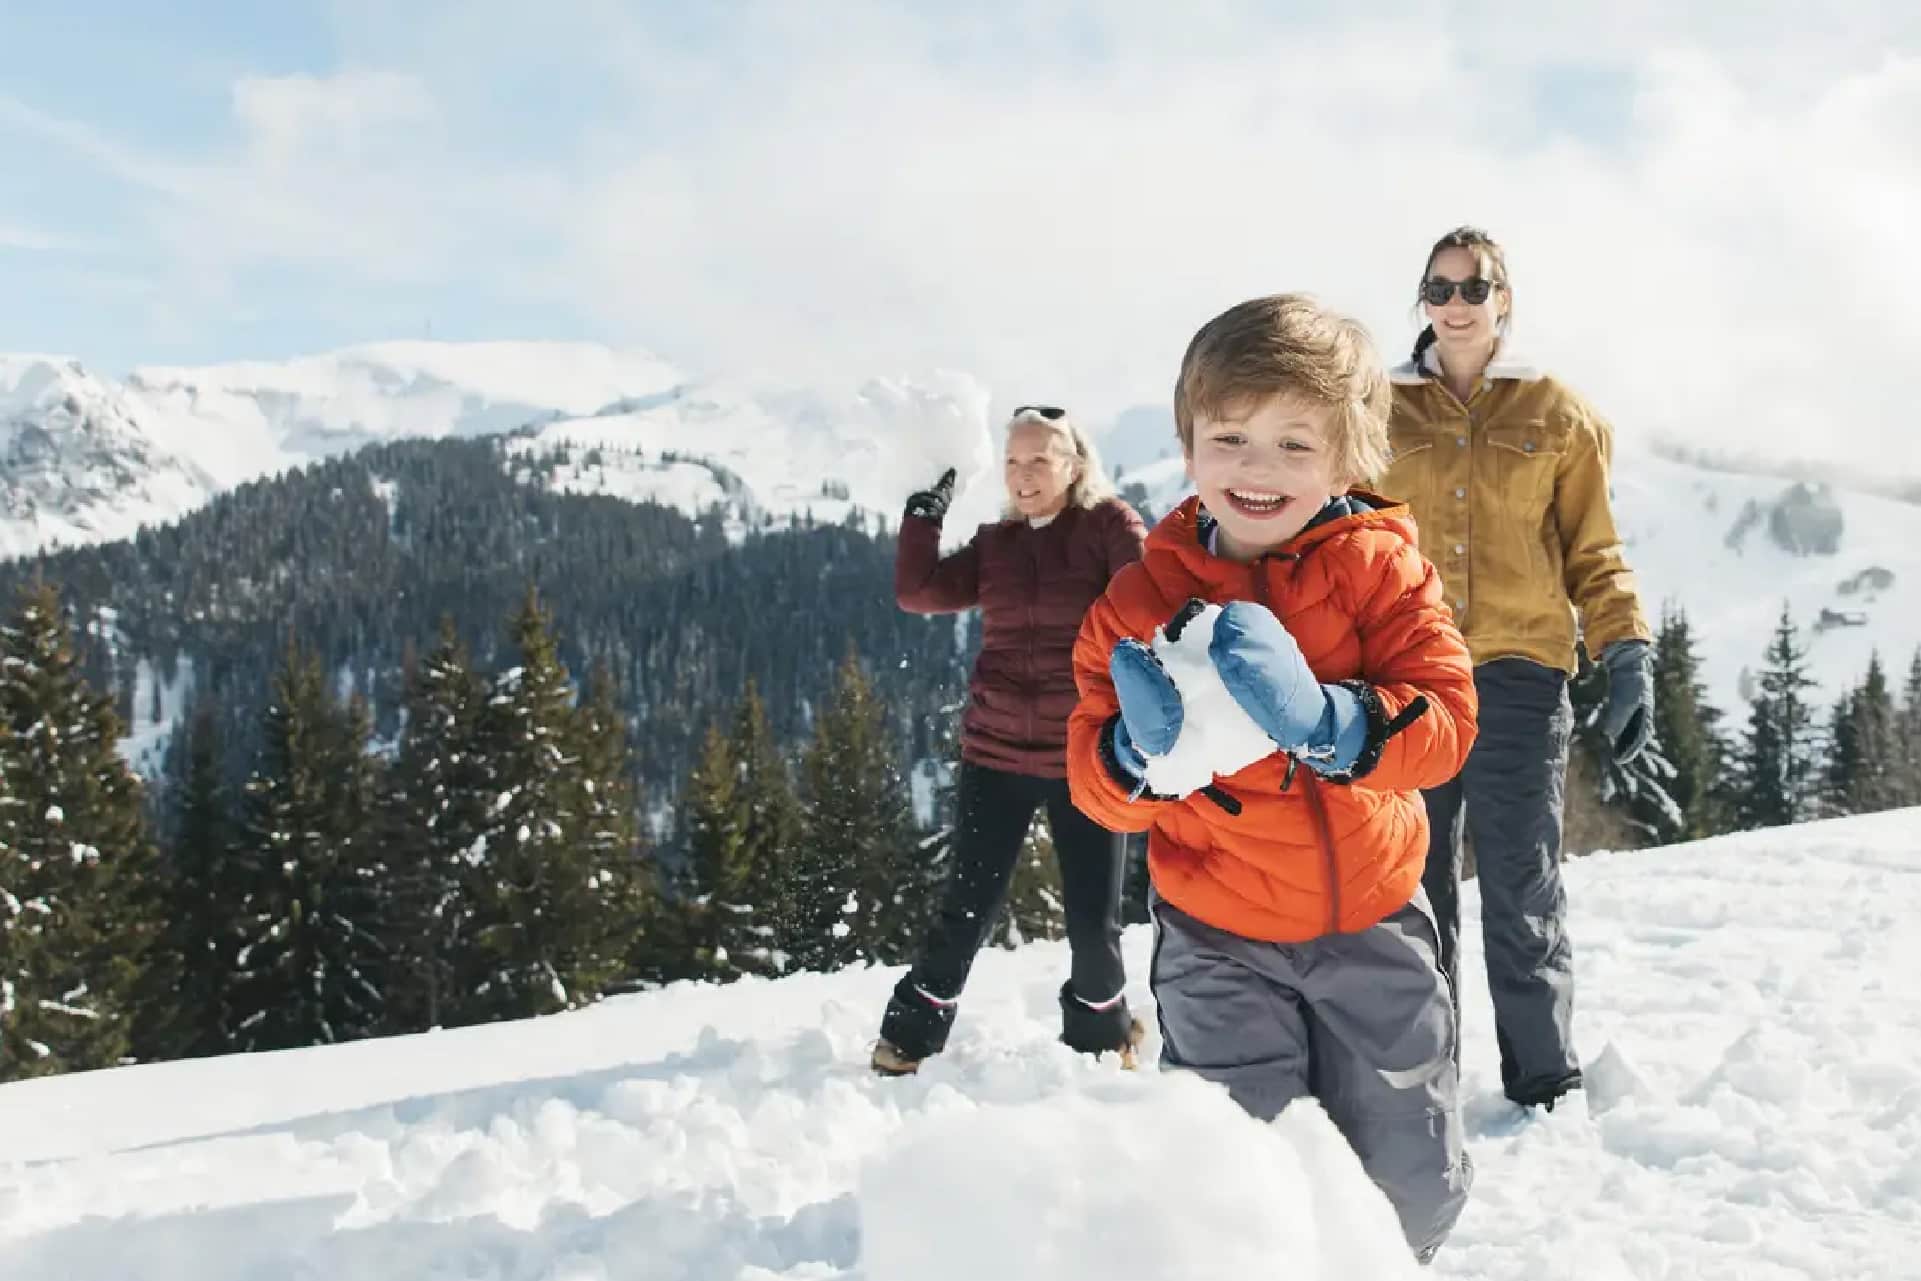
x,y
1091,486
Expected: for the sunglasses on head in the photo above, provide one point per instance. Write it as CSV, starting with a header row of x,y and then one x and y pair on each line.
x,y
1052,413
1436,290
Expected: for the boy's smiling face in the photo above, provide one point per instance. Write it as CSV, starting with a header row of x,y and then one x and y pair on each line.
x,y
1265,474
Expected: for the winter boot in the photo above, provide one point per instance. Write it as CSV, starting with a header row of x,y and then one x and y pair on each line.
x,y
1544,1094
914,1028
1098,1029
890,1060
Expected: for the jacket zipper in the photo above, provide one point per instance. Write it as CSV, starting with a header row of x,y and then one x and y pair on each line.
x,y
1318,808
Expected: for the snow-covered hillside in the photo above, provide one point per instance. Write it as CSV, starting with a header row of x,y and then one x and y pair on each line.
x,y
778,451
78,463
1747,1015
85,459
266,413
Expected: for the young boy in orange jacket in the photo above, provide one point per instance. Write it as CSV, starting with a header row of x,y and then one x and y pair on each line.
x,y
1294,952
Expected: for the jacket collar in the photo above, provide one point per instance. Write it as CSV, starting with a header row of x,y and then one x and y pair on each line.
x,y
1503,366
1349,504
1183,532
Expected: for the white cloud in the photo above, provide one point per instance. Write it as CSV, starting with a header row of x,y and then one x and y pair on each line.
x,y
29,239
1706,206
1725,259
287,119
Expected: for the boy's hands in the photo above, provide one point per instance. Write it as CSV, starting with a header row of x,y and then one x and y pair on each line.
x,y
1262,667
1151,711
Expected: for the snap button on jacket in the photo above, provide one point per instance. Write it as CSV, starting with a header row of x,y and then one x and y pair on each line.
x,y
1510,497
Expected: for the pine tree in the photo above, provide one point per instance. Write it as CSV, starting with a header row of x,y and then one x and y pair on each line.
x,y
1842,770
843,899
76,858
1688,728
435,812
1775,774
312,961
1865,763
1908,736
717,868
551,912
772,824
1035,908
609,834
188,991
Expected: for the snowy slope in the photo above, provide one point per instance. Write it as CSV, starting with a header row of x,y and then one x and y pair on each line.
x,y
780,451
1748,1015
265,414
1703,538
1689,542
77,464
87,459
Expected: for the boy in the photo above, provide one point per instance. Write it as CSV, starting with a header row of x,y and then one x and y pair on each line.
x,y
1293,952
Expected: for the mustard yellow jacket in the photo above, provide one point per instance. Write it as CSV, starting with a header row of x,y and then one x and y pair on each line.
x,y
1510,496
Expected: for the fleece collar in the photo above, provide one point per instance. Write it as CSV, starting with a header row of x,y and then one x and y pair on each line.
x,y
1407,373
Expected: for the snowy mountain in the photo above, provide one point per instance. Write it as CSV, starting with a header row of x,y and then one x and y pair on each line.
x,y
770,451
84,459
1747,1020
77,461
266,415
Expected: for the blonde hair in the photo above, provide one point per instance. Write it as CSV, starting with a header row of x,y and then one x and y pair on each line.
x,y
1290,345
1492,259
1090,486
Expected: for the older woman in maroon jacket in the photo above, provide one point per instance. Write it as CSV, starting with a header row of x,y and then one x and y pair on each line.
x,y
1032,574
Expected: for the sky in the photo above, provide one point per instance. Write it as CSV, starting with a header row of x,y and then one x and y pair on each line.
x,y
1707,208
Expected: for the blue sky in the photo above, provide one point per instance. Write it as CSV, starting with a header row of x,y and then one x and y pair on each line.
x,y
1051,195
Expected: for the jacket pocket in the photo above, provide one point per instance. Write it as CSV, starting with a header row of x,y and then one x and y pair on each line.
x,y
1522,460
1409,476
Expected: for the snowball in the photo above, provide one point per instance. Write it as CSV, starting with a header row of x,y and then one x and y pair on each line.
x,y
1217,737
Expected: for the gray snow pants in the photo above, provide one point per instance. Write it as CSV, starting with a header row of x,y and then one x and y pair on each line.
x,y
1510,798
1360,1021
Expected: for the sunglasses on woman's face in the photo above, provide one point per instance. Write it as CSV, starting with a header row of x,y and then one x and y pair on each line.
x,y
1436,290
1052,413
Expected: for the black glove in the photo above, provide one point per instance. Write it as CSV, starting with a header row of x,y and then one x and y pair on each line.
x,y
932,503
1629,716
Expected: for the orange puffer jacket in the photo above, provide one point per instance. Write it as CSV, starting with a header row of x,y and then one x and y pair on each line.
x,y
1278,853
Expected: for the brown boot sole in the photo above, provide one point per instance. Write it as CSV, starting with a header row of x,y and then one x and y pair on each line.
x,y
889,1061
1130,1052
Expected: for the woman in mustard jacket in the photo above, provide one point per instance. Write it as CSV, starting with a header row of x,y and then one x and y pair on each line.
x,y
1506,470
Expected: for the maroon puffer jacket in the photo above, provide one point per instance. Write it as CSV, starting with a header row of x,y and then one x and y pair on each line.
x,y
1032,586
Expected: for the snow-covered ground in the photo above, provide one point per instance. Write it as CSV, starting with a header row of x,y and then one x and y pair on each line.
x,y
1747,1008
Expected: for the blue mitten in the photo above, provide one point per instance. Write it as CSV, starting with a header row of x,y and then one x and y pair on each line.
x,y
1262,667
1150,717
